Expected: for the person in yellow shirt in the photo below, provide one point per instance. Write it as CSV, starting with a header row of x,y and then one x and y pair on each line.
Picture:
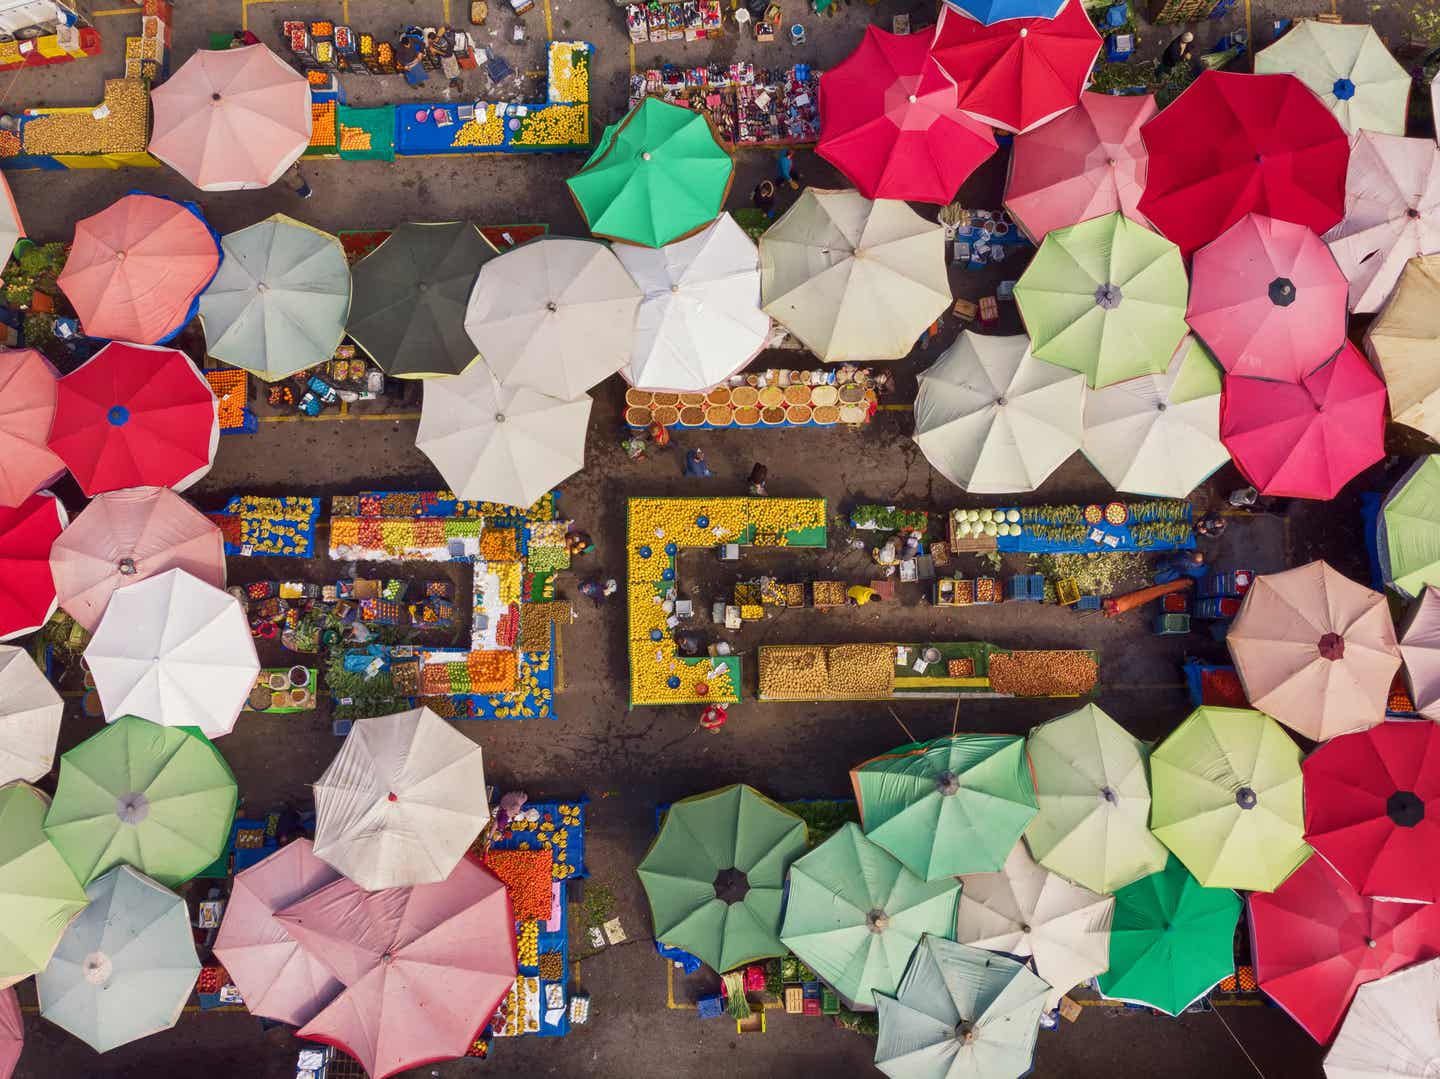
x,y
860,594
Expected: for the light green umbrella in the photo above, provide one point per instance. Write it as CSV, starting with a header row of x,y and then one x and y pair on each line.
x,y
715,875
955,805
1228,799
38,893
1408,538
1171,940
1093,787
854,914
657,176
1105,297
159,798
960,1013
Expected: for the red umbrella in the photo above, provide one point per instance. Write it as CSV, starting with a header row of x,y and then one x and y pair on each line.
x,y
1316,940
136,416
1306,439
1233,144
1372,809
27,594
890,122
27,405
1018,73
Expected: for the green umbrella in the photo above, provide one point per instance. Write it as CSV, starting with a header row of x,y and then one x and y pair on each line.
x,y
716,873
1409,529
1227,799
1171,940
1105,297
159,798
960,1013
854,914
38,894
955,805
656,176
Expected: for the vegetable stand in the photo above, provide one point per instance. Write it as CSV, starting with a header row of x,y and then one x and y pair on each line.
x,y
1153,525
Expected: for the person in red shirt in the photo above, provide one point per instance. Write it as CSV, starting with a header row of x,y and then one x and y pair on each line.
x,y
659,436
713,718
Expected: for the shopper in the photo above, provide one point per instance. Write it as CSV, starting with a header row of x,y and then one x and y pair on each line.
x,y
594,589
409,56
1210,526
1185,564
785,170
763,198
1178,52
302,189
695,465
659,436
713,718
758,475
857,595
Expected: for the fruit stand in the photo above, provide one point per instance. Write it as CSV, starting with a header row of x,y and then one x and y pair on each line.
x,y
1160,524
268,527
109,135
747,106
774,398
63,32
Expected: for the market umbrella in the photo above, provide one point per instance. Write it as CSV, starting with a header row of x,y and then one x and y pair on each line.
x,y
175,650
1171,940
39,896
1408,529
1315,941
992,419
555,315
1087,162
1350,70
656,176
424,968
11,228
1270,147
1306,439
159,798
715,875
1019,73
27,591
1390,1031
960,1011
1158,435
700,319
891,122
1404,341
231,119
136,416
12,1033
401,802
1315,650
30,713
126,966
851,278
1105,297
27,407
1228,799
1093,787
1029,912
1268,299
854,914
993,11
1420,649
137,268
280,300
951,806
407,306
277,978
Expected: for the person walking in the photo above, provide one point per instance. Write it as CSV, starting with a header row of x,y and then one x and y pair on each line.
x,y
758,475
713,718
763,198
1210,526
633,445
594,589
302,189
695,465
659,436
1179,51
785,170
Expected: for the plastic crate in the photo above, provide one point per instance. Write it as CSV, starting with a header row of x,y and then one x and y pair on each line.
x,y
1067,591
710,1007
1169,625
1234,583
1025,588
1088,603
1217,607
1175,603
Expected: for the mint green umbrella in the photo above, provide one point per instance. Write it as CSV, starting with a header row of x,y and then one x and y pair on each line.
x,y
1105,297
161,799
657,176
38,893
952,806
1171,940
854,914
1408,539
715,875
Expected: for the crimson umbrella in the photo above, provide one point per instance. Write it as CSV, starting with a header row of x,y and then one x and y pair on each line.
x,y
1315,940
1018,73
135,416
1233,144
891,123
1306,439
27,594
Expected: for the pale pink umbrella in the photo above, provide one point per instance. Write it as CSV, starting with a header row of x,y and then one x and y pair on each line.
x,y
278,979
1315,650
27,404
424,967
1420,648
124,536
1085,163
12,1033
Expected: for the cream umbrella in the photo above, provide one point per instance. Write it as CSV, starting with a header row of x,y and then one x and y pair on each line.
x,y
1349,69
851,278
1420,648
30,712
993,419
1404,343
1390,1031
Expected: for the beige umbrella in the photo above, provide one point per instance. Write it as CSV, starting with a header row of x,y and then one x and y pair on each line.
x,y
30,713
1404,343
1420,648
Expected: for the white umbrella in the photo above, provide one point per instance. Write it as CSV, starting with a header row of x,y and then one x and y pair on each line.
x,y
1159,435
1390,1031
555,315
993,419
1420,649
10,227
176,651
1349,69
1031,913
401,802
500,445
30,712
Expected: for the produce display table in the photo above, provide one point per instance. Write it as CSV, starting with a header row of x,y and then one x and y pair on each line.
x,y
747,105
774,398
268,527
1219,685
1161,524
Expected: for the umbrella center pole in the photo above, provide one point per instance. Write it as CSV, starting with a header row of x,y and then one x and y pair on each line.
x,y
1282,292
965,1032
127,568
947,784
1332,646
877,921
731,886
1245,798
97,968
1107,794
132,808
1405,808
1108,297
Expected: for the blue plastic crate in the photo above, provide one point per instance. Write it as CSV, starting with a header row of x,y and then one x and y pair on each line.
x,y
1088,603
1026,588
710,1007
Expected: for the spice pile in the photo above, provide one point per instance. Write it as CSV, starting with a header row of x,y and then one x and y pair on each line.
x,y
1056,673
125,127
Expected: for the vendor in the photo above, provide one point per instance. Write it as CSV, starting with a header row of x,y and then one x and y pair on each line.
x,y
689,643
1184,564
242,38
579,543
857,595
408,56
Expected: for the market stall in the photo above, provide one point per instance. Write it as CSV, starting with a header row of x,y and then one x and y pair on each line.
x,y
268,527
827,397
50,32
746,105
1155,525
659,21
109,135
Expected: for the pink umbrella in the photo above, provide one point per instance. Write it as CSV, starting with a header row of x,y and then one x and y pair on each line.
x,y
12,1033
1085,163
278,979
1268,299
424,967
27,405
1306,439
1420,648
124,536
